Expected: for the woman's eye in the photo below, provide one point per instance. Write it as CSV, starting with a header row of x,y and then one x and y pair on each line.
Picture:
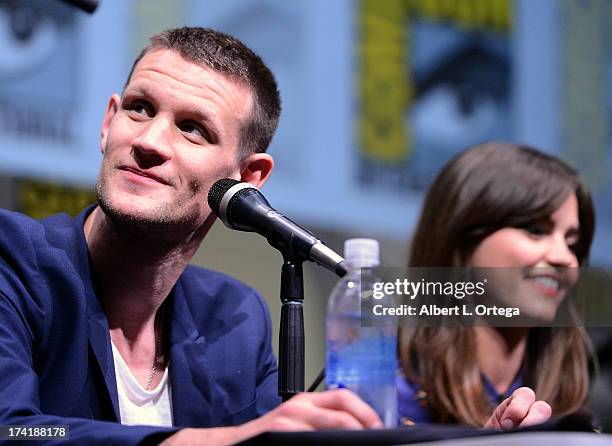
x,y
535,229
574,244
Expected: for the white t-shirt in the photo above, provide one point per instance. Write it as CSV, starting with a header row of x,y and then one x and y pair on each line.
x,y
137,405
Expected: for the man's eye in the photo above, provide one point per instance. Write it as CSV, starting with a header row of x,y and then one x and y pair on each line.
x,y
194,130
140,108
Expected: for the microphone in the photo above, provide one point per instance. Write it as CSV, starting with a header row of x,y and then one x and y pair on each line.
x,y
242,207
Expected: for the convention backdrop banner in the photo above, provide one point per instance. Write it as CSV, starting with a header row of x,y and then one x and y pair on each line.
x,y
377,96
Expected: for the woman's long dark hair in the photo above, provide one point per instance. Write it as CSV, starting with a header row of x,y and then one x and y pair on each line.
x,y
483,189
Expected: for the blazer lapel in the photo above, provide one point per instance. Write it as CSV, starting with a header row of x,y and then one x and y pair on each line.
x,y
99,341
98,331
195,400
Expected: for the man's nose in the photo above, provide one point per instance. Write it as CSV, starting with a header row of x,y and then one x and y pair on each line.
x,y
153,144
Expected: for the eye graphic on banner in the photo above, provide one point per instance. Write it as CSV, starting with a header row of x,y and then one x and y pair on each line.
x,y
434,78
28,37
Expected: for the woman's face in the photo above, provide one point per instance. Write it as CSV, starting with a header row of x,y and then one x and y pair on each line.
x,y
534,266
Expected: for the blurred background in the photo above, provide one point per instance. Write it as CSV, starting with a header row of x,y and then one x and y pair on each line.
x,y
377,96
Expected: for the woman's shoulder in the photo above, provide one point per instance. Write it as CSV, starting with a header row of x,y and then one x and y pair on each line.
x,y
412,404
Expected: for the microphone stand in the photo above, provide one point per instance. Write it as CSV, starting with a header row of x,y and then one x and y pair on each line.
x,y
291,338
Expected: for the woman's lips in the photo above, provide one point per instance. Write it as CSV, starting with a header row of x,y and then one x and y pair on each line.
x,y
546,285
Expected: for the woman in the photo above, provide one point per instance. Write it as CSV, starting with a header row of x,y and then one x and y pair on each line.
x,y
499,205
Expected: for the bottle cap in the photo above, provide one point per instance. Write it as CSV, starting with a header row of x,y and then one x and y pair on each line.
x,y
361,252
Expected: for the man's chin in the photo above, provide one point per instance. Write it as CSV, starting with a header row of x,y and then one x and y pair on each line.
x,y
147,218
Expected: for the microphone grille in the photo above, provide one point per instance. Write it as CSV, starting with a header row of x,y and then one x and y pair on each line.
x,y
217,191
236,197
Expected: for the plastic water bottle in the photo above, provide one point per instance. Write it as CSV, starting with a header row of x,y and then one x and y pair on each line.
x,y
361,358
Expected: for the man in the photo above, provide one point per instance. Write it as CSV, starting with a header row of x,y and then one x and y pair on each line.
x,y
102,320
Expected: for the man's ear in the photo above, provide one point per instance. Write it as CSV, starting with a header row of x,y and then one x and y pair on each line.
x,y
111,110
256,169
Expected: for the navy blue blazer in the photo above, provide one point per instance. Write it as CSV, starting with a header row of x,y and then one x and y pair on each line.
x,y
56,363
